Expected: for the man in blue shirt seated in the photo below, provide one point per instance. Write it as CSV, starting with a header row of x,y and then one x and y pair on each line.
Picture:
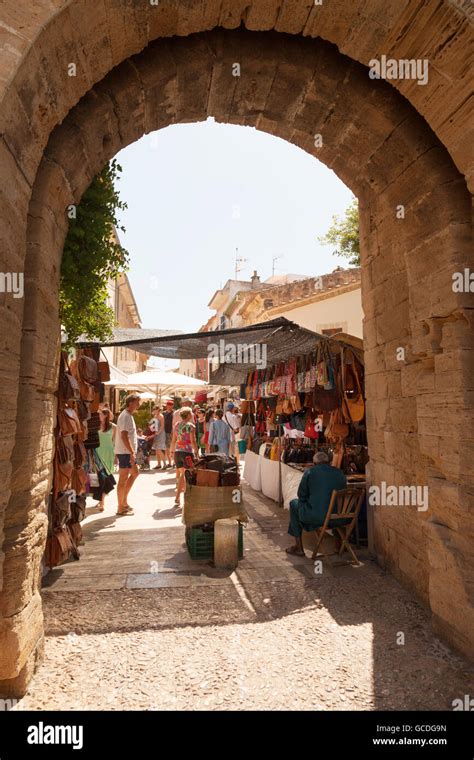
x,y
309,510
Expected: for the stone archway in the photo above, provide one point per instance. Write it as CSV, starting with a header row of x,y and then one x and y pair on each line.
x,y
389,156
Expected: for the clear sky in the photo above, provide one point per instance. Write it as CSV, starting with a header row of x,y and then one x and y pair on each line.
x,y
196,192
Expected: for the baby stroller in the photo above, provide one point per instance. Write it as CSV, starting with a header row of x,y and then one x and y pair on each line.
x,y
143,454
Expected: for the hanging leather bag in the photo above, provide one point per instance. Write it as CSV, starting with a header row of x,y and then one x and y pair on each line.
x,y
88,369
80,454
68,384
78,509
69,422
322,376
69,389
65,449
83,410
79,480
58,547
104,374
87,391
61,510
352,397
75,532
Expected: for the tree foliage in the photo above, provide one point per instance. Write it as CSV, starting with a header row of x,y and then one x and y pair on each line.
x,y
344,234
92,255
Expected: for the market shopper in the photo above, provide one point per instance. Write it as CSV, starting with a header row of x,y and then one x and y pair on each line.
x,y
233,421
145,440
183,446
157,426
201,429
220,434
106,450
168,418
208,422
309,510
126,444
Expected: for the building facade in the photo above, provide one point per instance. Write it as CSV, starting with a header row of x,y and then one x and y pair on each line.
x,y
327,304
122,301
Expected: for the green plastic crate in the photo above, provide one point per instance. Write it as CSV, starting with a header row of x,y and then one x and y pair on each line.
x,y
200,542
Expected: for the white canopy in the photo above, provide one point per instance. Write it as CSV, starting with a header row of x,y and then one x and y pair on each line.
x,y
160,381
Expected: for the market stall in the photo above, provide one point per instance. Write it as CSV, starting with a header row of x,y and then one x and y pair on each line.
x,y
297,386
303,403
299,392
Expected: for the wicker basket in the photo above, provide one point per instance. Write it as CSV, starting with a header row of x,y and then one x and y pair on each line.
x,y
205,504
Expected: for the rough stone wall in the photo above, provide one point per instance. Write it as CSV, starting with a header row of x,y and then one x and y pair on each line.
x,y
383,151
42,38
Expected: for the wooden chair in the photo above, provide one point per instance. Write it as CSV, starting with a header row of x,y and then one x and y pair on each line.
x,y
344,509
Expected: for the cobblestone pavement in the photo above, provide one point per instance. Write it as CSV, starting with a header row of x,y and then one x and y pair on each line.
x,y
136,624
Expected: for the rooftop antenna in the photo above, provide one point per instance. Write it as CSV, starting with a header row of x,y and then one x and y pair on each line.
x,y
275,258
238,262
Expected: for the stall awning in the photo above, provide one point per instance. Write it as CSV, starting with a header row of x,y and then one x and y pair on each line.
x,y
244,348
196,345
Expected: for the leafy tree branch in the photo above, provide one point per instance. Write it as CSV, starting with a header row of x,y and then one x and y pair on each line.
x,y
344,234
92,256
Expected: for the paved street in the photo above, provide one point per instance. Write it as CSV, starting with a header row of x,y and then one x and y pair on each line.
x,y
137,624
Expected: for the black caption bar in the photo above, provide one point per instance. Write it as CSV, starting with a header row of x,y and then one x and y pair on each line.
x,y
376,734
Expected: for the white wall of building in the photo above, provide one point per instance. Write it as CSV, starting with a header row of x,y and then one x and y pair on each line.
x,y
343,310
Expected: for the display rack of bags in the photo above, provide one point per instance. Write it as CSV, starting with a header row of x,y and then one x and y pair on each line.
x,y
326,382
79,393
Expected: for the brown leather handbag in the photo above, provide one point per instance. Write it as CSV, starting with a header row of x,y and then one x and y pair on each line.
x,y
75,531
79,480
69,423
208,478
58,547
80,454
83,410
69,389
104,372
88,369
65,449
61,510
337,430
352,397
87,391
62,475
68,384
78,509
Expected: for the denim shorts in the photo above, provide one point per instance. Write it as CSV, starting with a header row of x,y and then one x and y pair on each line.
x,y
125,463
